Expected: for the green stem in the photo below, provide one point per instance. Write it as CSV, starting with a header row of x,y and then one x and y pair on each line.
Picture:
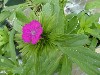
x,y
12,46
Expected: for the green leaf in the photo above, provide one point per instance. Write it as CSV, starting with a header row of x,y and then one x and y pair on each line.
x,y
4,36
21,17
50,63
91,19
12,45
56,7
59,20
87,59
48,23
30,64
93,4
60,23
6,63
72,25
87,68
70,40
93,44
53,66
17,25
80,31
4,15
92,32
17,70
46,9
82,21
66,66
32,15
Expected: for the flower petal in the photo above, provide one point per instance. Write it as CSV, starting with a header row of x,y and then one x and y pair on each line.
x,y
39,31
35,40
35,24
26,38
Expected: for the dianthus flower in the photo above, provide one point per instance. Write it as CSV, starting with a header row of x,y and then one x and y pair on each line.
x,y
31,32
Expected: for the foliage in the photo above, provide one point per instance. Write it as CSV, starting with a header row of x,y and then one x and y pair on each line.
x,y
93,4
66,39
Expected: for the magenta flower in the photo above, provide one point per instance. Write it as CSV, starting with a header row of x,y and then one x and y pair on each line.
x,y
31,32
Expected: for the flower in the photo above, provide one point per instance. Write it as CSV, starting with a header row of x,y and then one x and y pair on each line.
x,y
31,32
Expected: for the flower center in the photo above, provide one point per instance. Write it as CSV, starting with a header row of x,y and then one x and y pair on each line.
x,y
33,32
